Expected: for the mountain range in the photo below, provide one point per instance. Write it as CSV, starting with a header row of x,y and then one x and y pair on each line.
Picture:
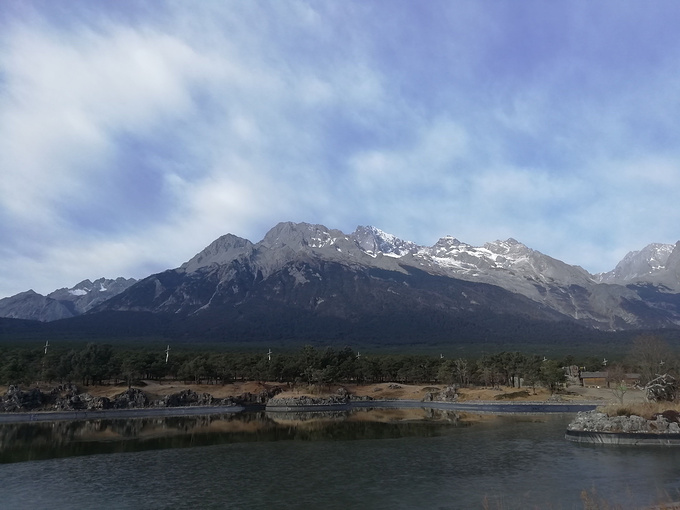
x,y
308,281
62,303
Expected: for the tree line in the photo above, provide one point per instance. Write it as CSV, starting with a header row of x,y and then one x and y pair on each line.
x,y
103,364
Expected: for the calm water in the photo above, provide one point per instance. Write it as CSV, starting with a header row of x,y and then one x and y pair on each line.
x,y
417,459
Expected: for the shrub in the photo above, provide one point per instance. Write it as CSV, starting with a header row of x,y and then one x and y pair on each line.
x,y
672,415
513,395
647,410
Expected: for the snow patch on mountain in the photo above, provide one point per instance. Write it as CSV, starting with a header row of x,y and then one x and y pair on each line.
x,y
62,303
374,242
655,264
301,252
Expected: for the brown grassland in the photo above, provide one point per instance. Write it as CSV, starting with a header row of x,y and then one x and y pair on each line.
x,y
381,391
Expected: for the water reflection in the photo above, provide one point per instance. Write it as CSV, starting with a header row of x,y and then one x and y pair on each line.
x,y
21,442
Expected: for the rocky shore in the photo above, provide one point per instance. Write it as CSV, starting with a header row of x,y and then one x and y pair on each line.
x,y
344,397
338,401
667,422
154,398
70,398
598,427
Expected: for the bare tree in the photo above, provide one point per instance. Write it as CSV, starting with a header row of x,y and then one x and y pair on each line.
x,y
462,371
652,356
662,389
616,381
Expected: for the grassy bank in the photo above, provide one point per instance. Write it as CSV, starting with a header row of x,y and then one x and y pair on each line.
x,y
647,410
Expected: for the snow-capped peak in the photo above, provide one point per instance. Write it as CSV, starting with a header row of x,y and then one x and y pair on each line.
x,y
508,247
375,241
645,264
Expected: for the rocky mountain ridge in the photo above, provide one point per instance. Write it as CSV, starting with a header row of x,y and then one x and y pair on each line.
x,y
230,271
656,263
307,272
62,303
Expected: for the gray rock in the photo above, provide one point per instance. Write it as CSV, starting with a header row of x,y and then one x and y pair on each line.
x,y
448,394
593,421
257,398
130,398
305,400
16,399
190,398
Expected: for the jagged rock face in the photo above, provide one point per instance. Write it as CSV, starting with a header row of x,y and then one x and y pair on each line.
x,y
672,269
657,264
221,251
639,264
33,306
62,303
309,268
374,241
87,294
324,271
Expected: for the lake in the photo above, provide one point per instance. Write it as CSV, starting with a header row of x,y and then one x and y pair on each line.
x,y
386,458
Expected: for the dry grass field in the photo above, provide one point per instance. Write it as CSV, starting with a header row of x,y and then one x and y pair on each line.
x,y
382,391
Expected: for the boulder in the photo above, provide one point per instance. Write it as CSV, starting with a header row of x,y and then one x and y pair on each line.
x,y
16,399
306,400
98,403
594,421
190,398
257,398
130,398
448,394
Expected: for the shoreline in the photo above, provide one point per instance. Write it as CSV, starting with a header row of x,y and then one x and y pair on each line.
x,y
489,407
597,427
113,414
481,407
157,399
622,438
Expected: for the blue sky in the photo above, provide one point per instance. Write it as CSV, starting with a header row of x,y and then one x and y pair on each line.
x,y
132,134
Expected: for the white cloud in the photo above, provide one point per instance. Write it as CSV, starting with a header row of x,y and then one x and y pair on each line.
x,y
428,159
68,96
128,143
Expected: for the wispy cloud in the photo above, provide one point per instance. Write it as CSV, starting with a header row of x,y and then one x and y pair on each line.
x,y
133,134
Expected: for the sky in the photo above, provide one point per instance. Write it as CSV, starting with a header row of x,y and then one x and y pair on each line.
x,y
133,133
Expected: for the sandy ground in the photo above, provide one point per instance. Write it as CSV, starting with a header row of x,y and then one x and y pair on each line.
x,y
631,396
391,391
157,390
386,391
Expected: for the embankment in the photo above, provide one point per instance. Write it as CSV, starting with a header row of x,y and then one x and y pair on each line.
x,y
598,428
